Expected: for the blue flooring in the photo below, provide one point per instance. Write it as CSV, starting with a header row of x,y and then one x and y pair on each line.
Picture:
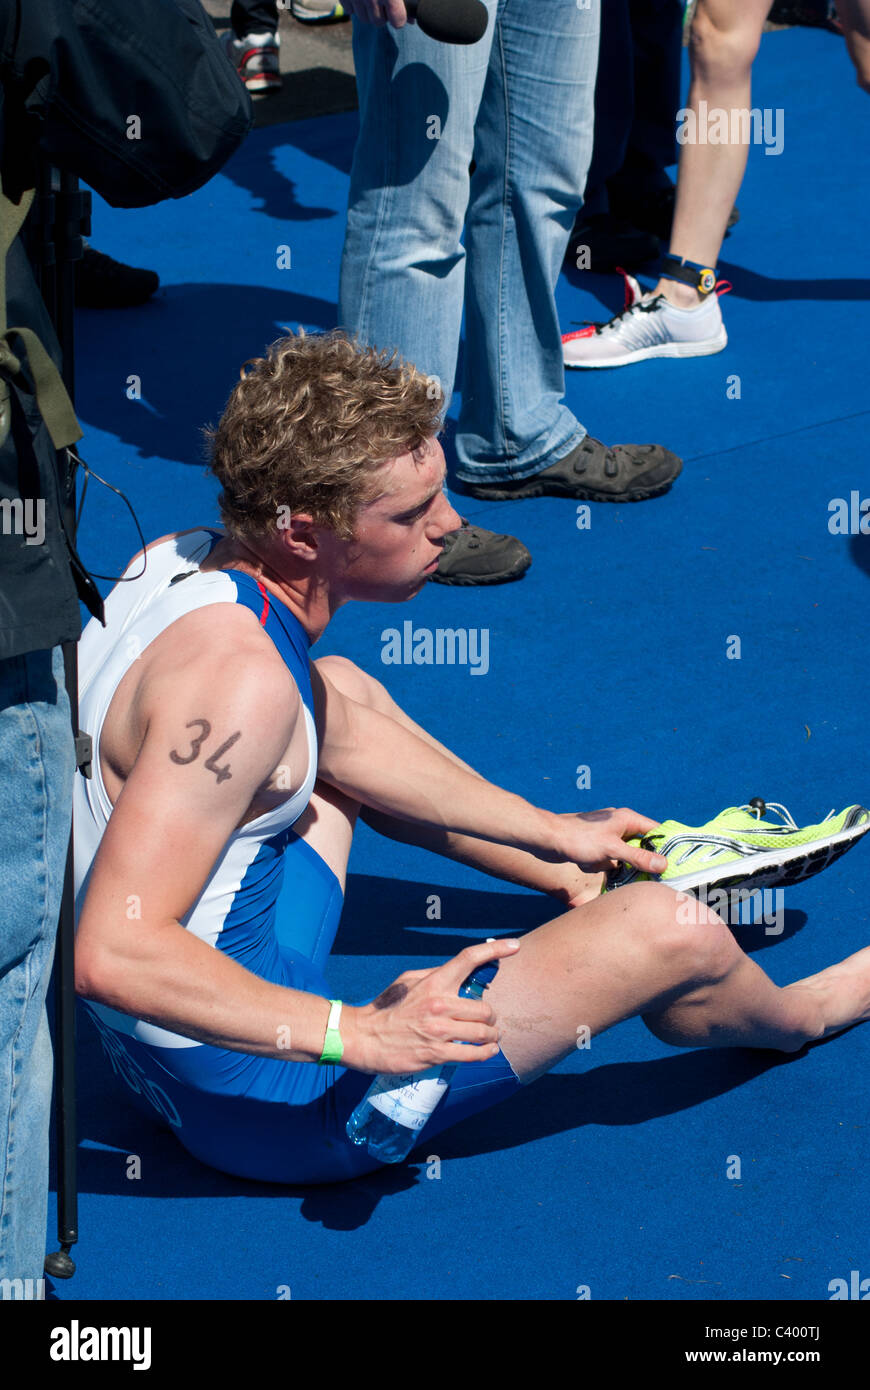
x,y
610,1172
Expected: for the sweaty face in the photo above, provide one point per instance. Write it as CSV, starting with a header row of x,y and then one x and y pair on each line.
x,y
399,534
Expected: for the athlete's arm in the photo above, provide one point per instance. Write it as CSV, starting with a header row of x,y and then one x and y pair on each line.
x,y
384,765
565,882
215,733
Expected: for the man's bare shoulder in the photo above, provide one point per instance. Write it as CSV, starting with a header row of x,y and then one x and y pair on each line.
x,y
218,653
221,647
210,688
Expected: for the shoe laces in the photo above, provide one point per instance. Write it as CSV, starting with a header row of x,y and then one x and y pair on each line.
x,y
643,306
694,840
784,814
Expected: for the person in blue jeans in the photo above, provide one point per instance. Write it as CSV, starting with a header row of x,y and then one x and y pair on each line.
x,y
37,763
520,104
69,123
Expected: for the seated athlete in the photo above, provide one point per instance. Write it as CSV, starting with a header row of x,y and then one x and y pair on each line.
x,y
228,772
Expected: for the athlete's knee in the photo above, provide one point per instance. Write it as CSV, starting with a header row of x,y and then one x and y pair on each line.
x,y
707,941
686,933
352,681
722,50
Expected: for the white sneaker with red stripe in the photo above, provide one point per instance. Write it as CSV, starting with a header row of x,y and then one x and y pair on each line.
x,y
648,326
255,59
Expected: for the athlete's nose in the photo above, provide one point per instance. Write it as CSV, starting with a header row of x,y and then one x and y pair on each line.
x,y
447,517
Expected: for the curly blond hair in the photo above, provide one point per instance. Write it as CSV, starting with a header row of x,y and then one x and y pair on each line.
x,y
308,425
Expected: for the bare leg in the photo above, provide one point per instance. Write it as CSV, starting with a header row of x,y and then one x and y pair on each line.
x,y
327,825
631,952
724,40
628,953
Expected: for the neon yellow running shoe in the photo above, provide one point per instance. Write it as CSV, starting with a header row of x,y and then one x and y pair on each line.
x,y
740,849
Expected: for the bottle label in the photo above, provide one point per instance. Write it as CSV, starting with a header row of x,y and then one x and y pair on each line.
x,y
408,1100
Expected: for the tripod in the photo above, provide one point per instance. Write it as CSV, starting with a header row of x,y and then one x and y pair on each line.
x,y
58,221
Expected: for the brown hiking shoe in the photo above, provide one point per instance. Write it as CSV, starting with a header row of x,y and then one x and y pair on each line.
x,y
474,556
594,473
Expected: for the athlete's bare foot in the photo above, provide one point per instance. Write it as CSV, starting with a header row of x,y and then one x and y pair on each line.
x,y
842,992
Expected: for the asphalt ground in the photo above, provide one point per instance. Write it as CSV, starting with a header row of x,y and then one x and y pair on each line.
x,y
317,65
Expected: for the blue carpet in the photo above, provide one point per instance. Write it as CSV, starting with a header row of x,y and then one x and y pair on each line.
x,y
611,1172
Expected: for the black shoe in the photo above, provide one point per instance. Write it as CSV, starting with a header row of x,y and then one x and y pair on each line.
x,y
594,473
814,13
654,212
102,283
475,556
610,243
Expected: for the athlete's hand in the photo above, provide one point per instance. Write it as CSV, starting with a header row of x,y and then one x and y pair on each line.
x,y
595,840
379,12
420,1020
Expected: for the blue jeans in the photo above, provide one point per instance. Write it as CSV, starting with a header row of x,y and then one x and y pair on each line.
x,y
37,762
520,103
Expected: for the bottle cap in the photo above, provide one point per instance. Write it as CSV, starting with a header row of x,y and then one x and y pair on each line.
x,y
483,975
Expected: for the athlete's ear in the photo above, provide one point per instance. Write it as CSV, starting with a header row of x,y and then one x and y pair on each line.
x,y
300,534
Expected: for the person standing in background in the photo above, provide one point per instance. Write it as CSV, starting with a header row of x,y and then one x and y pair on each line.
x,y
520,103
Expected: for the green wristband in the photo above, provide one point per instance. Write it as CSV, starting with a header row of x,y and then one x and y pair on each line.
x,y
333,1047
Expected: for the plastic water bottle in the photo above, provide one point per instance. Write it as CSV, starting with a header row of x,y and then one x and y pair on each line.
x,y
394,1109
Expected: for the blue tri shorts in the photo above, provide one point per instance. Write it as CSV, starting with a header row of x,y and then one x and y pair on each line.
x,y
276,1121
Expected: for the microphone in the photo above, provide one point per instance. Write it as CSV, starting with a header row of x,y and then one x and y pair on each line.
x,y
450,21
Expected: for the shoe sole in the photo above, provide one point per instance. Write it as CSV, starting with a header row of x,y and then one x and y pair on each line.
x,y
772,868
532,489
506,577
267,89
705,348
